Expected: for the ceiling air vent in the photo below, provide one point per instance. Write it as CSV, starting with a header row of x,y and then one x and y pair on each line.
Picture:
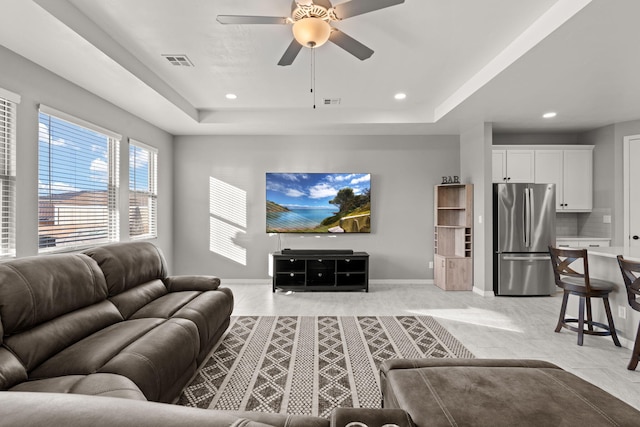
x,y
179,60
331,101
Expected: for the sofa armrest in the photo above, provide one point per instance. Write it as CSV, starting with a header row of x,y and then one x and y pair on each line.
x,y
370,417
391,364
191,283
37,409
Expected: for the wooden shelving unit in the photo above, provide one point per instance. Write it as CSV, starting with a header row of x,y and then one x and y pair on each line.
x,y
453,236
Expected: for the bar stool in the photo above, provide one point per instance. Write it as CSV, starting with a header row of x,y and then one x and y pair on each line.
x,y
631,273
580,284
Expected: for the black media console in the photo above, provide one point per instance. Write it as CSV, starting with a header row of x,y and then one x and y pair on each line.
x,y
320,270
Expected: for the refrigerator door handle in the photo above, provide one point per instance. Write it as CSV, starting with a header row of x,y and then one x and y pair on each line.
x,y
522,258
526,216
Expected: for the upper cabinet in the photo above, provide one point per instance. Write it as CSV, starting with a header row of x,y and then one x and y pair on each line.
x,y
570,167
513,165
572,172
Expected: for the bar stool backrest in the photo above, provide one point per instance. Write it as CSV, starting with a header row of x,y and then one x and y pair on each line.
x,y
567,264
631,275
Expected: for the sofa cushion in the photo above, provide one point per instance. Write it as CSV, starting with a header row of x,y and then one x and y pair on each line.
x,y
441,392
92,353
95,384
38,344
154,353
166,305
132,300
37,289
160,362
210,311
126,265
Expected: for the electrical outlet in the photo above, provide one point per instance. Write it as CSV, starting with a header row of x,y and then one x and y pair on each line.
x,y
622,312
606,219
431,265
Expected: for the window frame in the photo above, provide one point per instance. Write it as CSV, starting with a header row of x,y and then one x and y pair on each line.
x,y
151,192
110,185
9,102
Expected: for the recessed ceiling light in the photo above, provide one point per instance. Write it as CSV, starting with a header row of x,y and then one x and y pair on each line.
x,y
231,96
400,96
549,115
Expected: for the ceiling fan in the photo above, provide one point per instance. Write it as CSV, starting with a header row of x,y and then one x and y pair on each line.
x,y
311,24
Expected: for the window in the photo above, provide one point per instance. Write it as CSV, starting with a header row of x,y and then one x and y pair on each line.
x,y
77,182
143,190
8,106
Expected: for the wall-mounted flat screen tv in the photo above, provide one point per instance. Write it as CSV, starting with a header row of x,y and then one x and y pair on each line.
x,y
318,202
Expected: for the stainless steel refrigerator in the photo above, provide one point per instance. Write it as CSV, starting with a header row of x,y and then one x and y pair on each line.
x,y
524,225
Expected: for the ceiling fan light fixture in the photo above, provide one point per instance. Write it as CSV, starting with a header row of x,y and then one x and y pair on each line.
x,y
311,32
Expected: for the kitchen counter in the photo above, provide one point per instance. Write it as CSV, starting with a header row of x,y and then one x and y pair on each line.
x,y
582,241
582,238
613,251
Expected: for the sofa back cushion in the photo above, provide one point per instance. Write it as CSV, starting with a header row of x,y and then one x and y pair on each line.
x,y
38,344
47,303
34,290
11,370
127,265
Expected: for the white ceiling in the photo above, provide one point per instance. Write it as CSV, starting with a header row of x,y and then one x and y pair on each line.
x,y
458,61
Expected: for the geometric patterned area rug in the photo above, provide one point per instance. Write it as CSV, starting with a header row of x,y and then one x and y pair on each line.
x,y
310,365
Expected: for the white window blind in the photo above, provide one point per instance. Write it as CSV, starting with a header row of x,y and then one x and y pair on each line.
x,y
8,106
78,172
143,191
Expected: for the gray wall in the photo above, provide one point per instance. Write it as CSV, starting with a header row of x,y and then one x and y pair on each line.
x,y
621,130
475,166
608,171
534,138
36,85
230,170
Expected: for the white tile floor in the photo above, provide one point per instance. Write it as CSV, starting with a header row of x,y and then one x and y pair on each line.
x,y
490,327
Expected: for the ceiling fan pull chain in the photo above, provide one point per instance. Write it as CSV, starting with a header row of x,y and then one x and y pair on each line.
x,y
313,76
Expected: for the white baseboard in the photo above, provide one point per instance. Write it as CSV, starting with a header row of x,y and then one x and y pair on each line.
x,y
245,281
483,293
400,282
371,282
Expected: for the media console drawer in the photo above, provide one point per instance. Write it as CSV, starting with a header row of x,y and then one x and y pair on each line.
x,y
324,271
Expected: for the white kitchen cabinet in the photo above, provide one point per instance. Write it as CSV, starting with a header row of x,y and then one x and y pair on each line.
x,y
512,165
572,172
578,180
499,165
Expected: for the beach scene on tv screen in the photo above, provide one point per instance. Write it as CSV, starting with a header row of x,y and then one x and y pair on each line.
x,y
318,202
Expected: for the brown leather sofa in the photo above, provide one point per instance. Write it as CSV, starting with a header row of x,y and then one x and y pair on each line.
x,y
107,322
495,392
69,410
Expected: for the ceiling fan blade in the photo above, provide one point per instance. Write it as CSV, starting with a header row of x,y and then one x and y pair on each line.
x,y
350,44
358,7
240,19
291,53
